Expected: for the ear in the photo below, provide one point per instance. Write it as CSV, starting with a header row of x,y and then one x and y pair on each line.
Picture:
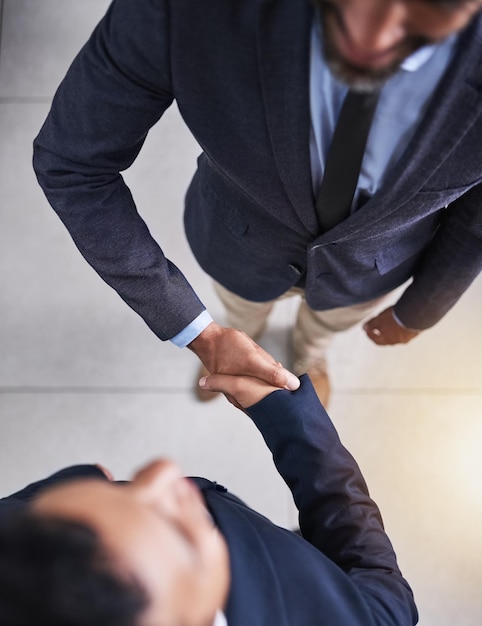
x,y
107,473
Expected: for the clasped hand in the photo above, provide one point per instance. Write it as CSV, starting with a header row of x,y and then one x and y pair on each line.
x,y
239,368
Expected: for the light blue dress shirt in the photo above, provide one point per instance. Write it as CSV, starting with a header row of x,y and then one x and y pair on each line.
x,y
193,329
403,102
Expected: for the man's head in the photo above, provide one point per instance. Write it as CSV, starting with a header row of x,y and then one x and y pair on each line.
x,y
148,547
365,41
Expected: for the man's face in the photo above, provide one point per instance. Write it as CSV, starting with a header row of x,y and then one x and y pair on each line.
x,y
157,530
365,41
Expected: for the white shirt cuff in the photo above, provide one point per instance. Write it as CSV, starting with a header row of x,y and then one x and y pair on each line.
x,y
220,619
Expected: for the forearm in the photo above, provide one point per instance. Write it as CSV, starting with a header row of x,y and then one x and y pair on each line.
x,y
115,241
116,89
450,264
337,515
336,512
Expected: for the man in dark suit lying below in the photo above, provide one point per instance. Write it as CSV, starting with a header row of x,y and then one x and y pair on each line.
x,y
163,550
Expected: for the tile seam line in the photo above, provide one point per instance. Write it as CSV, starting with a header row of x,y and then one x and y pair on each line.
x,y
25,100
1,25
87,389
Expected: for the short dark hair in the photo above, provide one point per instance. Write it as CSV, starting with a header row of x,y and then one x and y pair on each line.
x,y
55,572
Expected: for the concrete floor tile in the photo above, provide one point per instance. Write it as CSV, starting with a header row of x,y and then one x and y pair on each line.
x,y
40,40
421,457
61,325
445,357
42,432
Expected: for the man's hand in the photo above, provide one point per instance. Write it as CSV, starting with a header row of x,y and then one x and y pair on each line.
x,y
384,329
229,351
242,391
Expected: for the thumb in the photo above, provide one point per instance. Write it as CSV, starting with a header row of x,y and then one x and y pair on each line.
x,y
369,324
275,374
216,383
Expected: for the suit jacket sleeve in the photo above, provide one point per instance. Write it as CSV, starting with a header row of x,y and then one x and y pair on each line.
x,y
449,265
115,91
336,513
20,498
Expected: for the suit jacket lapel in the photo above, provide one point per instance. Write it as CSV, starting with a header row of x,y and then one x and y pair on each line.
x,y
284,47
255,596
455,107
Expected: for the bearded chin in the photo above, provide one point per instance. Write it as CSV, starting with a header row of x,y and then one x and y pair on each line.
x,y
358,78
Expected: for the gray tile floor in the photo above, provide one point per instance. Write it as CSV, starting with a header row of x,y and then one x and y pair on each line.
x,y
82,378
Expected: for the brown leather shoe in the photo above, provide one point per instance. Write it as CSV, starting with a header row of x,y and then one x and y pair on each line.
x,y
202,394
321,383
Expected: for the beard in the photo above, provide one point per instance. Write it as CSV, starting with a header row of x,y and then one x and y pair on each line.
x,y
358,78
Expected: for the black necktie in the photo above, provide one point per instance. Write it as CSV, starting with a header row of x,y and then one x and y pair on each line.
x,y
344,159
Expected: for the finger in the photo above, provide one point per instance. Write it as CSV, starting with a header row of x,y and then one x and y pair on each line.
x,y
223,383
283,378
371,323
371,326
234,402
235,386
375,334
263,366
208,386
244,390
260,364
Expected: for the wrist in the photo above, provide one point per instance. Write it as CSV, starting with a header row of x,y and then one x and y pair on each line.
x,y
203,342
192,330
401,324
397,319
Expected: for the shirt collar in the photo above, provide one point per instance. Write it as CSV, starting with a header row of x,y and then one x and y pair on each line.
x,y
220,619
418,58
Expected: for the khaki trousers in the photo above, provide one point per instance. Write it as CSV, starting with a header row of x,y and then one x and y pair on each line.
x,y
313,330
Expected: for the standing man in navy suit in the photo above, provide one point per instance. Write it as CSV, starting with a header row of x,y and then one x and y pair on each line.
x,y
260,84
164,550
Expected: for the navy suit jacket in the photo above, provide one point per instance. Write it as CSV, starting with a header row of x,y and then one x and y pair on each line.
x,y
239,72
343,572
